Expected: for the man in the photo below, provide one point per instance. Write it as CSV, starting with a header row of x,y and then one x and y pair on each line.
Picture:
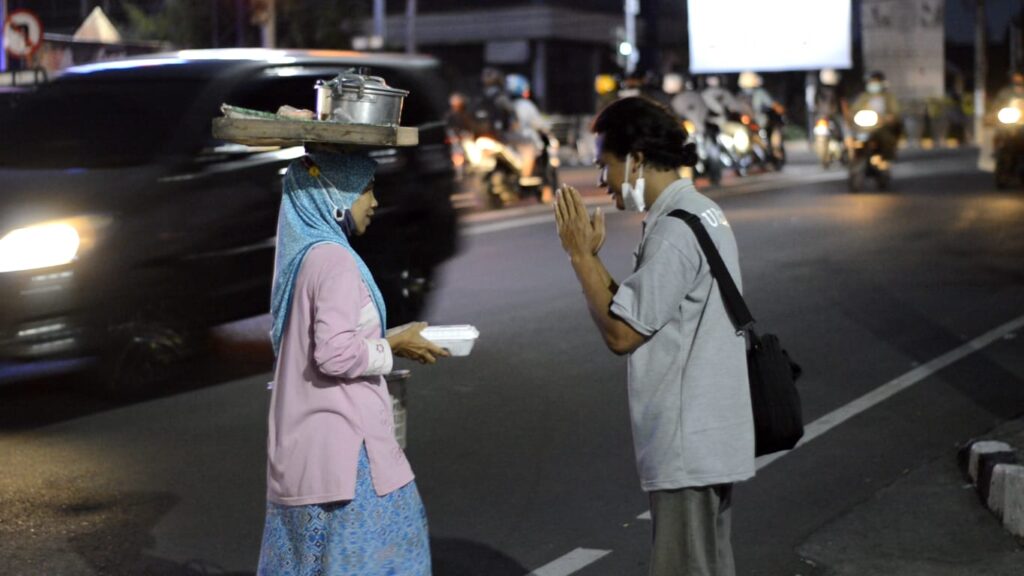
x,y
689,398
1013,91
718,99
877,97
690,105
493,111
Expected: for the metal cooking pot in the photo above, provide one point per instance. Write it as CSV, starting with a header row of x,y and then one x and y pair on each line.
x,y
353,98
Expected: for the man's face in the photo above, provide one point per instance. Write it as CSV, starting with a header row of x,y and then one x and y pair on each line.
x,y
613,173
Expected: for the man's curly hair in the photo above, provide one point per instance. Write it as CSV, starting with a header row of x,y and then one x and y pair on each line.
x,y
637,124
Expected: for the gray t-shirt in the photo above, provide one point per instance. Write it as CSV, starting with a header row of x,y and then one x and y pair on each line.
x,y
689,396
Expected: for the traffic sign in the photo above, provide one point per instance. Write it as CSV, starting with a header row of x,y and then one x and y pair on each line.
x,y
23,33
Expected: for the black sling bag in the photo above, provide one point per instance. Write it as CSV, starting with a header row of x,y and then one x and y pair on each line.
x,y
778,421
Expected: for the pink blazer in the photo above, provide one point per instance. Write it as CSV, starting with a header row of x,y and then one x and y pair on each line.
x,y
329,396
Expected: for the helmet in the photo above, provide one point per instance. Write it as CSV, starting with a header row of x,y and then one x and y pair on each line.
x,y
517,86
829,77
750,80
713,81
491,76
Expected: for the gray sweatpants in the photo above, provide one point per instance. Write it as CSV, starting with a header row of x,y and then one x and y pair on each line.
x,y
691,532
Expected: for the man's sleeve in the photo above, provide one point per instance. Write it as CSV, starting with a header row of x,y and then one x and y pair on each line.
x,y
649,298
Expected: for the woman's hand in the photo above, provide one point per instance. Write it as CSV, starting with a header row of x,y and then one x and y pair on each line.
x,y
580,234
407,342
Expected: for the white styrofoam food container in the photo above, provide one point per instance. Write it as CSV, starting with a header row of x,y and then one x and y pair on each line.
x,y
457,339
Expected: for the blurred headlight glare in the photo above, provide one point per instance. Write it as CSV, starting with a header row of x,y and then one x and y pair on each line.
x,y
741,140
1009,115
866,119
48,244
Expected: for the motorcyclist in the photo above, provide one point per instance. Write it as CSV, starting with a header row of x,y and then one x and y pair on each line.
x,y
494,112
828,100
754,99
458,118
1013,91
527,125
690,105
756,102
877,97
718,99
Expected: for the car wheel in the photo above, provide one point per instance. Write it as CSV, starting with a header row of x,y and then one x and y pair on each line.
x,y
146,356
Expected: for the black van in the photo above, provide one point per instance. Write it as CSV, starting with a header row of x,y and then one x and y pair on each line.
x,y
125,228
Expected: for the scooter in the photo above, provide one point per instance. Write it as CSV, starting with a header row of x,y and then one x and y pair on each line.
x,y
1009,144
828,142
500,168
772,136
866,154
709,152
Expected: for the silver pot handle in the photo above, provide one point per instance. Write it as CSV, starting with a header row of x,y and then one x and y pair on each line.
x,y
355,79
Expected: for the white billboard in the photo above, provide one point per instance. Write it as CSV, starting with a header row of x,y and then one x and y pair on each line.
x,y
768,35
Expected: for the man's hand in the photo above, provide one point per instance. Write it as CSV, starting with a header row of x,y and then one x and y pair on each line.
x,y
407,342
579,234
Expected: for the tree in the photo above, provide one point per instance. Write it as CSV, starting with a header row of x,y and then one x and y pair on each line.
x,y
319,23
300,23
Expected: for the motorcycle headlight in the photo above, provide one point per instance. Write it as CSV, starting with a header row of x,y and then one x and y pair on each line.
x,y
48,243
1009,115
821,128
866,119
741,140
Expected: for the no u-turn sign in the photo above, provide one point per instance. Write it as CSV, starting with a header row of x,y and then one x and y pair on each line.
x,y
23,33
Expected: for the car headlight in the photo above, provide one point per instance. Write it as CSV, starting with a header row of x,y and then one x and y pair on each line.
x,y
1009,115
866,119
49,243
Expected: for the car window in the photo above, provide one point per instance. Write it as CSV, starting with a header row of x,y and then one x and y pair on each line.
x,y
94,123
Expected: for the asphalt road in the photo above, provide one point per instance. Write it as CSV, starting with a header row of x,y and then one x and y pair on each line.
x,y
522,451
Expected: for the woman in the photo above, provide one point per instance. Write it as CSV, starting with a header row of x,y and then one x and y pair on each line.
x,y
341,495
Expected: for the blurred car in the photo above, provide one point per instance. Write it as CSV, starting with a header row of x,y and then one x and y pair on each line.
x,y
126,229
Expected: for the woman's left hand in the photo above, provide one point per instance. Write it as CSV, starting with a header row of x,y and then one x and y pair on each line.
x,y
409,343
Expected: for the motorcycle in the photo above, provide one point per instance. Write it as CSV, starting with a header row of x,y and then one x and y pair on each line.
x,y
499,168
828,142
1009,144
772,136
709,153
866,153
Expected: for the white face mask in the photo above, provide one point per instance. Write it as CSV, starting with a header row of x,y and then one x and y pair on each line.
x,y
633,195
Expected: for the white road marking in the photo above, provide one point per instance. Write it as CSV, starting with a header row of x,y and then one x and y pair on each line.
x,y
889,389
571,562
893,387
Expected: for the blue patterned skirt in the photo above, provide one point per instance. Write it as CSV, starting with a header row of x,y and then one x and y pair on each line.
x,y
368,536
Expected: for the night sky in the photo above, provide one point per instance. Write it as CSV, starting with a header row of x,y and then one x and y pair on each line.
x,y
960,19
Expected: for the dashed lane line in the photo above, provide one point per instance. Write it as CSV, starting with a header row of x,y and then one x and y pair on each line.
x,y
833,419
571,562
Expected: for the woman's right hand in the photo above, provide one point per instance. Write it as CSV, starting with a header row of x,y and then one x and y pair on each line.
x,y
407,342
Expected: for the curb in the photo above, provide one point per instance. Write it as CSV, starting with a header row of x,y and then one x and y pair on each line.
x,y
995,471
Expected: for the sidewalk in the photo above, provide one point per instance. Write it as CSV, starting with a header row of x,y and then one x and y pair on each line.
x,y
930,522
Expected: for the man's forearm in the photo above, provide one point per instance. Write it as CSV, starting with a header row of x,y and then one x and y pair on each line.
x,y
599,288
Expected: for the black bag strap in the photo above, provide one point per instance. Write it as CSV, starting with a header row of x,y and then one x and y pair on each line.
x,y
734,302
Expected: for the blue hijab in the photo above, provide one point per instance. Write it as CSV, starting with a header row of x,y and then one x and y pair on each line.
x,y
317,187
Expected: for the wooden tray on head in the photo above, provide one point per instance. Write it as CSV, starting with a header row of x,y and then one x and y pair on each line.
x,y
287,132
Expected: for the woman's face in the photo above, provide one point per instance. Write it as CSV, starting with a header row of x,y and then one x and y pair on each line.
x,y
362,209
